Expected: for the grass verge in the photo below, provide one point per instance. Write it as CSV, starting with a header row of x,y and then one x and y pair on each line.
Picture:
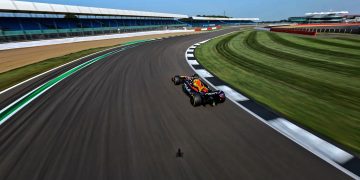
x,y
12,77
321,92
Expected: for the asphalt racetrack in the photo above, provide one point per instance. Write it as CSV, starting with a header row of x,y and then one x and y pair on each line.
x,y
122,118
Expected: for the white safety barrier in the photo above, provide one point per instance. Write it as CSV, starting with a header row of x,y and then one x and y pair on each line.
x,y
262,29
16,45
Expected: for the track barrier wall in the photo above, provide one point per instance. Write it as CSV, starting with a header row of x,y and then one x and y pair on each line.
x,y
207,28
27,44
294,31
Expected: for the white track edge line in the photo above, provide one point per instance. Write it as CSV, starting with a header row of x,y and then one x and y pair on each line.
x,y
53,69
41,74
42,92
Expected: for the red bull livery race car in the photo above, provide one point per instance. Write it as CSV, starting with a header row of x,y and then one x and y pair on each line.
x,y
199,92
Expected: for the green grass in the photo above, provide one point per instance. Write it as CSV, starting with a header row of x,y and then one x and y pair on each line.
x,y
12,77
298,43
308,80
333,43
349,39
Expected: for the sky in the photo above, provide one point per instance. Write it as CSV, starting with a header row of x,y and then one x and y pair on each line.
x,y
263,9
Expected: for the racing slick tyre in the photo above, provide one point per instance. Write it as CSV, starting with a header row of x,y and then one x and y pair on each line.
x,y
177,80
196,100
212,101
196,76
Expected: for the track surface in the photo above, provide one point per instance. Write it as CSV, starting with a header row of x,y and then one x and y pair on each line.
x,y
122,118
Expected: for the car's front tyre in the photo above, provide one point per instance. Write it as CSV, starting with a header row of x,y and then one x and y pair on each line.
x,y
196,76
177,80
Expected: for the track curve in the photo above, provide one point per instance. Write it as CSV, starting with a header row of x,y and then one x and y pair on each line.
x,y
122,118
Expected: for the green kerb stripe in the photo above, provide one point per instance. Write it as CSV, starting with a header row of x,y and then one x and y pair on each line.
x,y
57,79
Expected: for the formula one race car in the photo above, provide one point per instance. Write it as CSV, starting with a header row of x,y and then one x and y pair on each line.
x,y
199,92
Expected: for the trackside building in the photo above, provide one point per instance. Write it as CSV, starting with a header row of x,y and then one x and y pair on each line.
x,y
325,17
28,21
211,21
21,21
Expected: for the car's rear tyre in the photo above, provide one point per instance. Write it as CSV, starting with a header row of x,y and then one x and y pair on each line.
x,y
212,101
196,100
177,80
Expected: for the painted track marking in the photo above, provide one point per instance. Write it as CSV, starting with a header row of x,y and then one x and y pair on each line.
x,y
326,151
7,112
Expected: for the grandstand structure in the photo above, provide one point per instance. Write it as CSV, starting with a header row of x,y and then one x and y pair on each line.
x,y
28,21
196,21
325,17
21,21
